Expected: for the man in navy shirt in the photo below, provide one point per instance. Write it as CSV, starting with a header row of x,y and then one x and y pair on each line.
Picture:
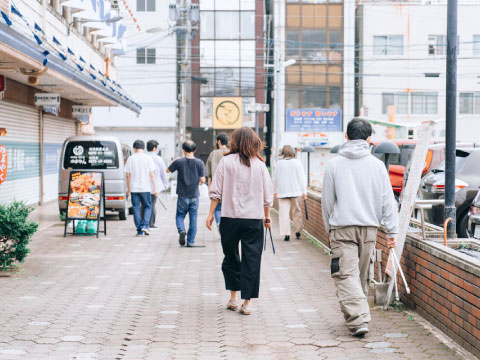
x,y
191,173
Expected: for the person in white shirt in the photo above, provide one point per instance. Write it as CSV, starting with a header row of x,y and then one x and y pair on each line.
x,y
160,178
140,183
290,189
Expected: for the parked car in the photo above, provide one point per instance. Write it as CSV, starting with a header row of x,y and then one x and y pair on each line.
x,y
467,174
397,162
96,153
474,218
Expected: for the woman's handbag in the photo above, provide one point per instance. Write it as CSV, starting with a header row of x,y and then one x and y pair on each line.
x,y
269,231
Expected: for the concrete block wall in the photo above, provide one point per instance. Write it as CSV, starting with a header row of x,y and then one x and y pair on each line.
x,y
444,284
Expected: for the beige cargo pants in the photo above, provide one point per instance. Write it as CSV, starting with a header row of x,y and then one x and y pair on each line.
x,y
290,208
352,256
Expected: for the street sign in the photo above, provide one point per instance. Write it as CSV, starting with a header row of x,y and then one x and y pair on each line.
x,y
409,195
47,99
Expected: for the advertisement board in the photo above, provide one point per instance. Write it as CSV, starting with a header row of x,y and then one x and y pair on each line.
x,y
85,189
314,120
86,201
227,112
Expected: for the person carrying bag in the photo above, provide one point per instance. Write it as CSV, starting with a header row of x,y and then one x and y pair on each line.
x,y
243,185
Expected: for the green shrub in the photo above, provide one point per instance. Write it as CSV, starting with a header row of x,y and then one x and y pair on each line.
x,y
15,233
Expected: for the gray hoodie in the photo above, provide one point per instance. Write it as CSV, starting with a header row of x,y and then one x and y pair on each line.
x,y
356,190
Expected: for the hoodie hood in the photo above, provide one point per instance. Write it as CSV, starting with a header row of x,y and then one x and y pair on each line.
x,y
355,149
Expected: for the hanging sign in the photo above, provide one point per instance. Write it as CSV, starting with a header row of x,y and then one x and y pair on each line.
x,y
227,113
3,163
47,99
82,113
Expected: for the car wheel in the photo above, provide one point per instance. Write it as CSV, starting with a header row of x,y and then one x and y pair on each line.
x,y
122,214
462,226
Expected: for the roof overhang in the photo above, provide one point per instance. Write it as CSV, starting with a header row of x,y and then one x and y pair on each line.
x,y
18,52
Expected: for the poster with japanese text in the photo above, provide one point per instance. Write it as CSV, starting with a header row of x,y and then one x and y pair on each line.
x,y
85,190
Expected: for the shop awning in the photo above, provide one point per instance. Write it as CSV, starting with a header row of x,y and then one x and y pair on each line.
x,y
78,84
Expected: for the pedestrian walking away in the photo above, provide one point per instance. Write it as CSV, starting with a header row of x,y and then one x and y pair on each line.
x,y
290,189
212,163
357,198
160,179
191,173
140,170
243,185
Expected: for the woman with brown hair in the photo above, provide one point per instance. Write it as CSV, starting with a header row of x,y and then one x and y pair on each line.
x,y
290,189
244,187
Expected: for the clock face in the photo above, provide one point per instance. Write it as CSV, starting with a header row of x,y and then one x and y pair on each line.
x,y
227,113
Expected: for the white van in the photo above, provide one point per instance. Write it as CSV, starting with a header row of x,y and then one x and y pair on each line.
x,y
96,153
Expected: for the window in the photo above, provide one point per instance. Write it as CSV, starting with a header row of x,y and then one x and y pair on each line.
x,y
476,44
314,97
314,45
227,81
248,82
388,99
292,43
151,56
469,103
411,103
424,103
207,25
146,56
141,56
388,45
227,25
146,5
291,98
335,98
247,25
208,88
401,102
437,45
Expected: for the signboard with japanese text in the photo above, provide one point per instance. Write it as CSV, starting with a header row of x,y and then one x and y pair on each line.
x,y
47,99
91,155
227,112
3,163
314,120
84,195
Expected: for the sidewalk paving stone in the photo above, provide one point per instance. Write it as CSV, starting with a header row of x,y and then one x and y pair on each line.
x,y
123,297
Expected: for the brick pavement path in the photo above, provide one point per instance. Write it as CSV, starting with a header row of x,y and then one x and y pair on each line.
x,y
123,297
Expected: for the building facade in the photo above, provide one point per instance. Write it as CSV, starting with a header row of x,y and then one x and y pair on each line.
x,y
147,70
402,64
316,93
227,64
46,50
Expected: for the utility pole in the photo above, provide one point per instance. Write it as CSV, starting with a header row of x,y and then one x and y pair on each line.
x,y
451,120
184,15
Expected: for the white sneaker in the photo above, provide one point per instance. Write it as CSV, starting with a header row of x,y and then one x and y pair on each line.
x,y
146,232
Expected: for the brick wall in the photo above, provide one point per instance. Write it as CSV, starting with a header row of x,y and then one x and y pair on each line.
x,y
4,6
444,284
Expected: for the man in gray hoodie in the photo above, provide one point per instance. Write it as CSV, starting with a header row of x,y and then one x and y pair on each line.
x,y
357,198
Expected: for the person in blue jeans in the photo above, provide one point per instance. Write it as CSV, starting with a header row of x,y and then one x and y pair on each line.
x,y
191,173
140,183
